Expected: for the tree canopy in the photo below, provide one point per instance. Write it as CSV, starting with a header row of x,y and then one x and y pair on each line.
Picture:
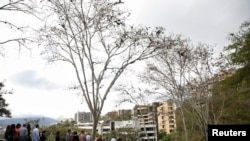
x,y
96,39
236,87
240,46
4,112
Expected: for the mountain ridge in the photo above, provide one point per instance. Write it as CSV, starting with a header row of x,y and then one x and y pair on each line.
x,y
43,121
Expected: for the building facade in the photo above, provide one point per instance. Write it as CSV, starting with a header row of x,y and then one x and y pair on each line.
x,y
166,117
83,117
147,117
146,122
106,127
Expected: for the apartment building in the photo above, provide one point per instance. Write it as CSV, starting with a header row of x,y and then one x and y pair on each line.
x,y
146,121
83,117
166,117
147,118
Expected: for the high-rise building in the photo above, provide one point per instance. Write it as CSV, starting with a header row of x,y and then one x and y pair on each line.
x,y
83,117
166,117
147,117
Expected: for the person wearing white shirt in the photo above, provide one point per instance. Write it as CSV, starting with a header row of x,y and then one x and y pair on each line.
x,y
36,133
113,139
88,137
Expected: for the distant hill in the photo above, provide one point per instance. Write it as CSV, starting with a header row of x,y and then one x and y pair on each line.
x,y
44,121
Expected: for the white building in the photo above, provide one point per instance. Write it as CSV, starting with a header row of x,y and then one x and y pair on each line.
x,y
105,128
83,117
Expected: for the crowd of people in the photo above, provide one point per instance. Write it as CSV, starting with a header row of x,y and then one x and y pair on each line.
x,y
18,132
73,136
23,132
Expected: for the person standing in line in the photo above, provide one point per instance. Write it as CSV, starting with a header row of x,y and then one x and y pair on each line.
x,y
88,137
68,135
23,133
12,132
7,134
99,138
75,137
57,135
82,136
43,136
36,133
16,134
113,139
29,129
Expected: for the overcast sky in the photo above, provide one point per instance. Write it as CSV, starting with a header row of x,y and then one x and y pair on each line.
x,y
42,89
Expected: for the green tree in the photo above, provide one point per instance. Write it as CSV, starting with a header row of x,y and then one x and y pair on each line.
x,y
62,127
4,112
237,93
240,45
235,87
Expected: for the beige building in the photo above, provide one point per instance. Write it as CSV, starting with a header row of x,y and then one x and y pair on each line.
x,y
166,117
146,115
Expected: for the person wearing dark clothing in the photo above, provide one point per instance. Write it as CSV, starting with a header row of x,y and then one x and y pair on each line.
x,y
75,136
58,136
11,133
43,136
29,132
7,134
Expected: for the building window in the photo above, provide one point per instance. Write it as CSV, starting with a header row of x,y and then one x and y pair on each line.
x,y
170,108
171,113
171,117
171,126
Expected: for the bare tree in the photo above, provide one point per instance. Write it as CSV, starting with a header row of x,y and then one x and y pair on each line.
x,y
12,6
136,96
199,86
168,72
185,74
94,37
32,122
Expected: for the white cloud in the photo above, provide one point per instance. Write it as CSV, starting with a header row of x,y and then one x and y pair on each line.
x,y
30,78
